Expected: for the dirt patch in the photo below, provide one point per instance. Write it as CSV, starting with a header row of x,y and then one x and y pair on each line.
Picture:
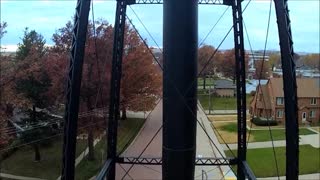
x,y
316,128
225,136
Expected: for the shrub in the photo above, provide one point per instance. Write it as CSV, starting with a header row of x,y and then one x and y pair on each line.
x,y
264,122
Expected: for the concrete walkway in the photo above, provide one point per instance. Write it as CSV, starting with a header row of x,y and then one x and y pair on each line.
x,y
84,153
10,176
153,123
256,145
312,140
315,176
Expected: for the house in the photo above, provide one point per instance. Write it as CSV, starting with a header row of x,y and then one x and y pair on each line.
x,y
224,88
268,101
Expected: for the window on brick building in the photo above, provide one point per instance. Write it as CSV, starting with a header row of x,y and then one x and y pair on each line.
x,y
313,101
312,114
280,100
279,113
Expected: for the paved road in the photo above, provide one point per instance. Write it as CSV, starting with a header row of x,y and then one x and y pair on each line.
x,y
154,122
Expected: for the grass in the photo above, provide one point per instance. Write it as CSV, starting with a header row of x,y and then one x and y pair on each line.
x,y
22,161
262,161
209,81
127,131
228,131
221,103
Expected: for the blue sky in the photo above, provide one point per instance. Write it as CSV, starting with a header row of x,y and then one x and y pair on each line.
x,y
46,16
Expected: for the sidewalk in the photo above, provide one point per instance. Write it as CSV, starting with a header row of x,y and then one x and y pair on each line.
x,y
315,176
83,154
10,176
221,112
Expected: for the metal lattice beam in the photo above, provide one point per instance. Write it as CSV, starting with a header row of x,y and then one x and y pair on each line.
x,y
241,84
73,87
158,161
290,89
114,112
208,2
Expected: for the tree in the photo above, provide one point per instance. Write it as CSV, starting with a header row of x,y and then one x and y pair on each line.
x,y
262,69
32,81
141,80
3,106
137,91
312,61
207,67
227,66
95,75
3,26
30,41
274,60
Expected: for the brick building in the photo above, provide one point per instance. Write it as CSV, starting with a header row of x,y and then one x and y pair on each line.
x,y
268,101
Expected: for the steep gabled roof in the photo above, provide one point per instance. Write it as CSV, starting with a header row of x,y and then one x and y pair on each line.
x,y
306,87
265,102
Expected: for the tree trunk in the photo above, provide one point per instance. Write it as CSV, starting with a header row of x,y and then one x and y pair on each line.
x,y
204,82
90,145
37,156
124,113
33,113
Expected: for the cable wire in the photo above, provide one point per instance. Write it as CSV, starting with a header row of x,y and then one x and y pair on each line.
x,y
259,86
203,40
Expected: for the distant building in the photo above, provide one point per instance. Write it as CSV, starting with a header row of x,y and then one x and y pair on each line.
x,y
224,88
268,101
254,59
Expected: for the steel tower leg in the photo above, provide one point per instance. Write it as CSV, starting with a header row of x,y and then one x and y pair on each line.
x,y
180,70
241,85
73,88
115,85
290,89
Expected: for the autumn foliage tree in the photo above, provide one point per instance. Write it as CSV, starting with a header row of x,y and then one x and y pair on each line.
x,y
205,67
227,64
32,83
262,69
141,80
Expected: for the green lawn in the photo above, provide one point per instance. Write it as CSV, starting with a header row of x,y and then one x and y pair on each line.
x,y
262,161
260,135
221,103
21,162
127,131
209,82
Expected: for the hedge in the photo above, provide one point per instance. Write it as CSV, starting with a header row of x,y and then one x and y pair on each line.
x,y
264,122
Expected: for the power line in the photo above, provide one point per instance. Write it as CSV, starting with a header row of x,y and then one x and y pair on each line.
x,y
259,85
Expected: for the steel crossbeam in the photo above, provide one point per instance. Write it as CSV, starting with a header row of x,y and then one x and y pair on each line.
x,y
158,161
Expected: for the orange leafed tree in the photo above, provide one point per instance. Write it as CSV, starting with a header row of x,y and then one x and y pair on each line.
x,y
140,85
141,79
226,65
207,67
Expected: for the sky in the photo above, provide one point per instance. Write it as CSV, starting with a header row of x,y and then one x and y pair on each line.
x,y
47,16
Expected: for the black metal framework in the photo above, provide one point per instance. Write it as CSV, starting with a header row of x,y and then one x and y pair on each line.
x,y
114,112
208,2
158,161
75,71
290,89
73,88
241,85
